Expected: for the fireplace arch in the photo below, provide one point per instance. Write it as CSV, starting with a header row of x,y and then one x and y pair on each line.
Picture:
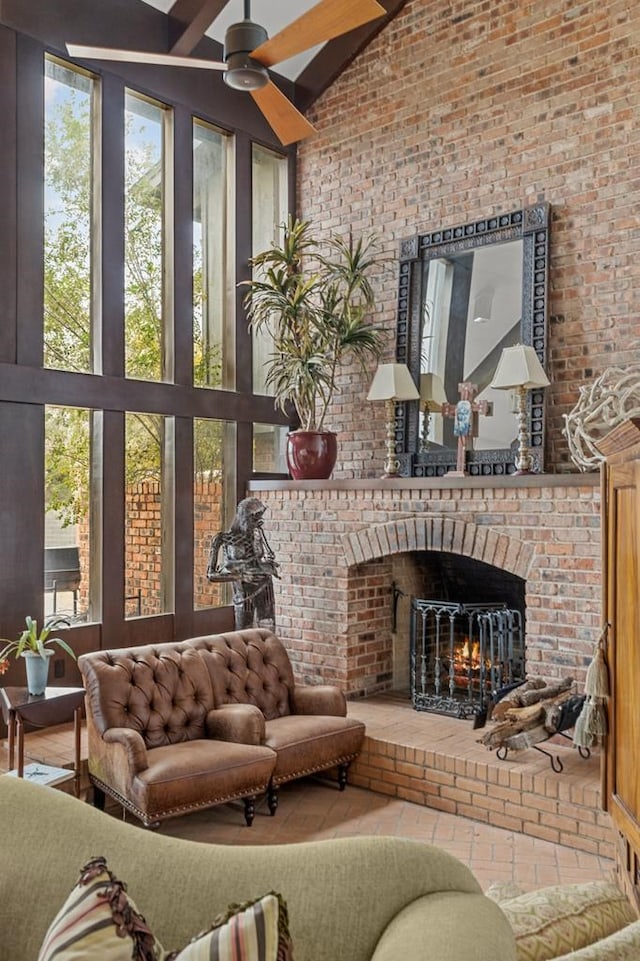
x,y
433,533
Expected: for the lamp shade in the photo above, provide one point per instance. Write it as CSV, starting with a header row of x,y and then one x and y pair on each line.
x,y
519,367
432,394
393,382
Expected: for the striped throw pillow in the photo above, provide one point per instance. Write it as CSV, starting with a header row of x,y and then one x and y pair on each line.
x,y
99,920
256,931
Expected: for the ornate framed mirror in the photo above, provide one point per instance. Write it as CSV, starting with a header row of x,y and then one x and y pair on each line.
x,y
464,294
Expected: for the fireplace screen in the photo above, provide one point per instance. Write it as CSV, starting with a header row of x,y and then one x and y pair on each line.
x,y
462,653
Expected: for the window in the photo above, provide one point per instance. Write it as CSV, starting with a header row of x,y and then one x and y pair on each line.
x,y
148,514
269,199
146,263
68,216
269,445
214,443
68,528
213,327
93,297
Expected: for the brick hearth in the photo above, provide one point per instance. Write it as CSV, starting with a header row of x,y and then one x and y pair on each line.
x,y
343,545
437,762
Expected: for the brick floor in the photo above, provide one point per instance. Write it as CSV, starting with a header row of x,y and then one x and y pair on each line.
x,y
523,849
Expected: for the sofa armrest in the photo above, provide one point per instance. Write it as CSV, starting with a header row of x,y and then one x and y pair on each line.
x,y
133,744
240,723
318,699
482,934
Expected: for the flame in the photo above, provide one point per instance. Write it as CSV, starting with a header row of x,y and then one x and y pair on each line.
x,y
468,654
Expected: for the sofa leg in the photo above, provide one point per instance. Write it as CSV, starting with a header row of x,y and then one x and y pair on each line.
x,y
249,810
99,798
342,775
272,800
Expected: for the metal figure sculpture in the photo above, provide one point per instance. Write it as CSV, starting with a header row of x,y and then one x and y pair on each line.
x,y
249,563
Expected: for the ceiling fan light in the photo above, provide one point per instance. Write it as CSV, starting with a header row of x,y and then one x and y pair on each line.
x,y
243,37
243,73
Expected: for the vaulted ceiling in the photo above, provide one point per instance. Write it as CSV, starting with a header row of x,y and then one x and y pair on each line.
x,y
312,71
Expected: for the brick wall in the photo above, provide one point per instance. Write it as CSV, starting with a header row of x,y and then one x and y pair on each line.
x,y
340,546
466,109
143,545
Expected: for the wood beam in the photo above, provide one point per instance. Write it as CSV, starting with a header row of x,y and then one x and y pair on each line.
x,y
188,21
337,54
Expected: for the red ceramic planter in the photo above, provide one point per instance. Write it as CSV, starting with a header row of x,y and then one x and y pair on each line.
x,y
311,454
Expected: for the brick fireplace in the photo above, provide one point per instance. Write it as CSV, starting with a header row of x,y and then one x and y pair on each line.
x,y
354,552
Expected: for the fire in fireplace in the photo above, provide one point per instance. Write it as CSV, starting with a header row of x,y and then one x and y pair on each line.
x,y
462,653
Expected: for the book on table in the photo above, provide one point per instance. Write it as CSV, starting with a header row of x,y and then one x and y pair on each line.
x,y
44,774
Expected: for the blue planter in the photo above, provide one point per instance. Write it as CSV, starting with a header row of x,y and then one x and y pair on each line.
x,y
37,671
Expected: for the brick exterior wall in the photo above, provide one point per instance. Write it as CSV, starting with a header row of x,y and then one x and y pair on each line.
x,y
340,548
467,109
143,543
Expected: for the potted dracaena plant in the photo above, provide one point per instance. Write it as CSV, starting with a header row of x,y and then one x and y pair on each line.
x,y
314,301
34,646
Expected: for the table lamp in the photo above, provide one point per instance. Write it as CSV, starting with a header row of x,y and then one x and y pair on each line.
x,y
432,397
519,369
392,383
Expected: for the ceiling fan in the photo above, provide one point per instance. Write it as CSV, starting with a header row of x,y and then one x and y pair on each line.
x,y
248,52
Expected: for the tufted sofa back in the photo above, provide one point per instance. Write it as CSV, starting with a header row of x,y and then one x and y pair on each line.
x,y
249,667
164,691
159,690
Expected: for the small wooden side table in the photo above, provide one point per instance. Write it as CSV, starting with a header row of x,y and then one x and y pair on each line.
x,y
55,706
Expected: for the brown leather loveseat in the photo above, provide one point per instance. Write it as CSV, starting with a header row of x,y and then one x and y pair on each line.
x,y
180,726
258,702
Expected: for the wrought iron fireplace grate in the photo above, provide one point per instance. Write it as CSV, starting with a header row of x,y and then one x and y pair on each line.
x,y
462,653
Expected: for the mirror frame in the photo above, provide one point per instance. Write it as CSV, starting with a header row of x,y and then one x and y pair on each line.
x,y
529,224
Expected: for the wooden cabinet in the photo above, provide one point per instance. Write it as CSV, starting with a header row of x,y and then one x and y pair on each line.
x,y
621,582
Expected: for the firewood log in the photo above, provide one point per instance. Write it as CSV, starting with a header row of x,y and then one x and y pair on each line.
x,y
524,739
553,710
513,697
497,735
525,717
545,693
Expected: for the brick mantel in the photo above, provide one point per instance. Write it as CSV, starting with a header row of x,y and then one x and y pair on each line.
x,y
339,543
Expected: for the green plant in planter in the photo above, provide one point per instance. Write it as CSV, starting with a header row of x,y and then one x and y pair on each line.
x,y
34,641
314,300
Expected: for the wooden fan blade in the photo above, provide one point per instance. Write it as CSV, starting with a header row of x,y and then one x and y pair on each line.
x,y
288,123
328,19
140,56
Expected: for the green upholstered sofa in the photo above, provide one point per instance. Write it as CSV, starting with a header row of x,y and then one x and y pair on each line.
x,y
354,899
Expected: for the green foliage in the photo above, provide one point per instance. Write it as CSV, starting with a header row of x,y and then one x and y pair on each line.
x,y
68,298
34,640
67,456
315,307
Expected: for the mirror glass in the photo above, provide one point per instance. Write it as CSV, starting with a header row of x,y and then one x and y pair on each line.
x,y
465,294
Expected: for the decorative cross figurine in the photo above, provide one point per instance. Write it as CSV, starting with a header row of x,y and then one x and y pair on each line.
x,y
465,424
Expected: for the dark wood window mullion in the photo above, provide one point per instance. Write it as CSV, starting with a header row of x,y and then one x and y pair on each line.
x,y
113,573
30,203
21,519
184,526
112,254
182,433
183,247
8,179
243,251
242,254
